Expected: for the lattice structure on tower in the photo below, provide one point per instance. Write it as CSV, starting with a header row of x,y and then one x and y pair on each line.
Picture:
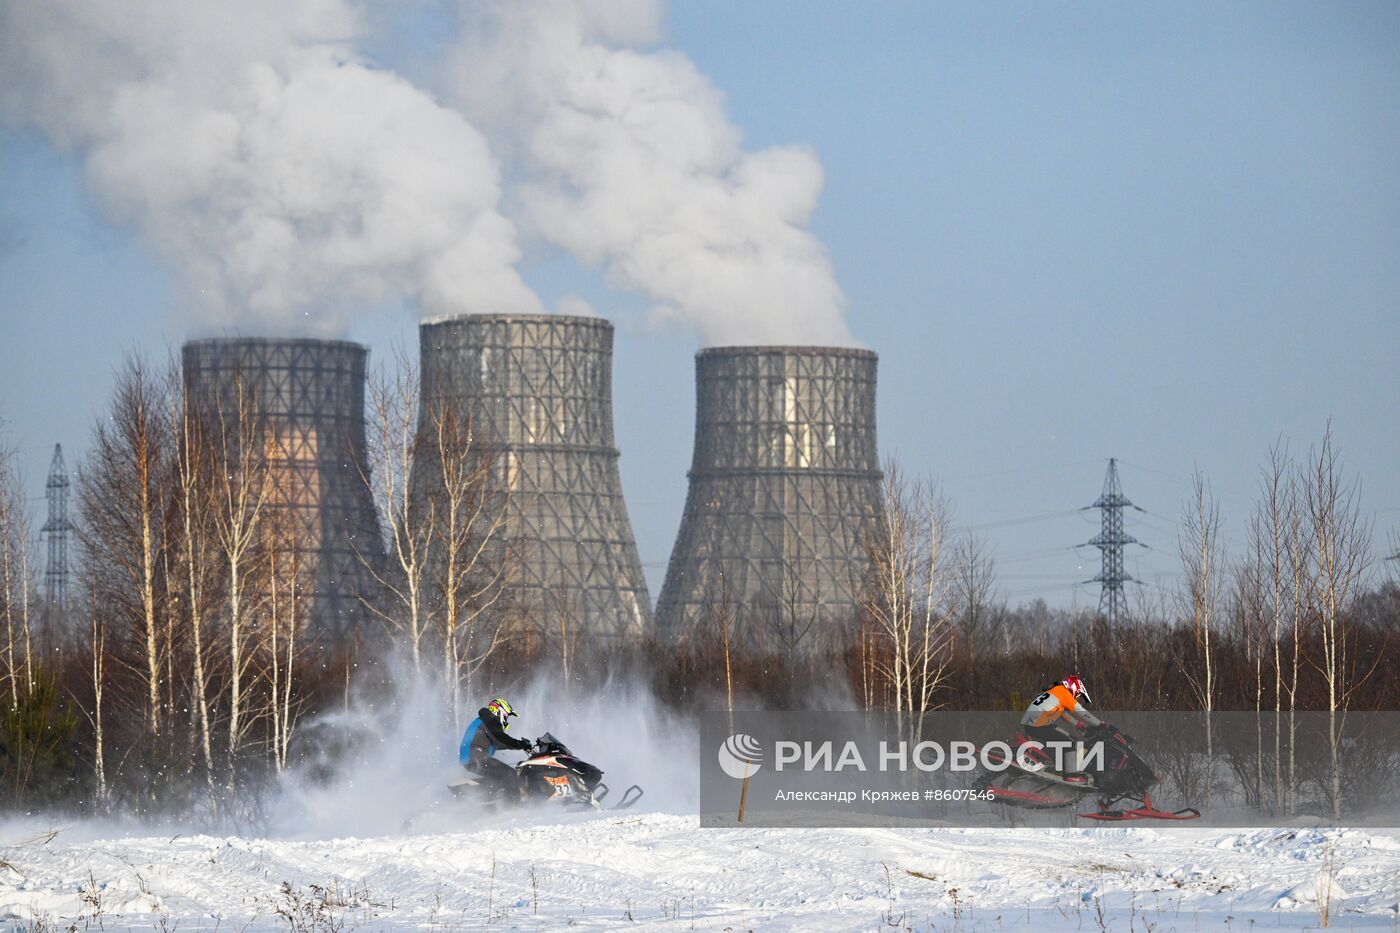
x,y
308,400
537,393
1111,540
56,530
784,489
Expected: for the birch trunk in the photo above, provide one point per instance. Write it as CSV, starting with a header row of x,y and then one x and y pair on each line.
x,y
99,757
1198,547
193,507
1340,545
243,488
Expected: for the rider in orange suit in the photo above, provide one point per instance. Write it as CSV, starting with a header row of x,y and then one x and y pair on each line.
x,y
1057,714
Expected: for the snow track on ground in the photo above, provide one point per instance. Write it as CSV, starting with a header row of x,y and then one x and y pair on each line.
x,y
661,871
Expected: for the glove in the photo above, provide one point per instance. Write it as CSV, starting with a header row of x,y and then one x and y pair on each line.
x,y
1110,730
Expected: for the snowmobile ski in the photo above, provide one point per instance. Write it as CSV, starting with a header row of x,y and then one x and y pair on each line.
x,y
1107,814
1143,813
629,798
600,794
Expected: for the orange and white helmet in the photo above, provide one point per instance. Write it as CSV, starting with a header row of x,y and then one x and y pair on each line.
x,y
1074,685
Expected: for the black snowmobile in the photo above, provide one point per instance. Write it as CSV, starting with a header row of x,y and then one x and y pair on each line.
x,y
551,772
1124,778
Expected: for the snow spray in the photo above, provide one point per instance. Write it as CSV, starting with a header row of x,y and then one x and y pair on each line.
x,y
384,760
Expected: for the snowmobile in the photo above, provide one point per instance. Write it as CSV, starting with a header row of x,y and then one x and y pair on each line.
x,y
1125,778
550,771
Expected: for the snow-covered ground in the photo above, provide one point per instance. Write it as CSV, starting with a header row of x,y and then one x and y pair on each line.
x,y
335,857
661,871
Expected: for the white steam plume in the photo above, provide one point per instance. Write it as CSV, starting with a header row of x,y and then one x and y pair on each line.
x,y
289,182
628,161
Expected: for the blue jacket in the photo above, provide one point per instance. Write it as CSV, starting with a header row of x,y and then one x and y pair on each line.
x,y
464,753
482,737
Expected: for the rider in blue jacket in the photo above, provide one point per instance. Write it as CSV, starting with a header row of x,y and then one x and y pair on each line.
x,y
483,737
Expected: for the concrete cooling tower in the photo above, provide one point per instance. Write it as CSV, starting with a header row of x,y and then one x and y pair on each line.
x,y
308,398
784,490
538,392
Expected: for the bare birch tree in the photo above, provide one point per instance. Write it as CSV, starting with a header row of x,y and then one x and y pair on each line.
x,y
1249,610
287,581
977,619
908,598
1270,541
566,625
791,622
194,507
393,446
123,492
1199,546
1339,543
16,581
241,489
470,523
722,624
866,646
1300,585
99,683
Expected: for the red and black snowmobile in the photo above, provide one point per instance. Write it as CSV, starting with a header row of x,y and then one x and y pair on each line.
x,y
1123,778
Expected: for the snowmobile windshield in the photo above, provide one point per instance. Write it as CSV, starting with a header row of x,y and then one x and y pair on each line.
x,y
554,745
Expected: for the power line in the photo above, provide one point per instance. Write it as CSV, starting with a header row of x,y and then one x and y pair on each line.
x,y
1034,555
1166,474
1025,520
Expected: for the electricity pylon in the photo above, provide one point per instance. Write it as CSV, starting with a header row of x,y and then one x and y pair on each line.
x,y
56,572
1111,540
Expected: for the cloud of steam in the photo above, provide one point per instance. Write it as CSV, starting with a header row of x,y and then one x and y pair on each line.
x,y
288,181
629,162
293,185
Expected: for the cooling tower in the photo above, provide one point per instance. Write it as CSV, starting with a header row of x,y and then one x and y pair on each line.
x,y
784,491
538,392
308,397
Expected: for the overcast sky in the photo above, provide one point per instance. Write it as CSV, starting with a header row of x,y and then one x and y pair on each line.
x,y
1164,233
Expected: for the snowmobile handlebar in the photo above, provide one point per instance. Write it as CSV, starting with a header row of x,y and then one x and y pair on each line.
x,y
1108,730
